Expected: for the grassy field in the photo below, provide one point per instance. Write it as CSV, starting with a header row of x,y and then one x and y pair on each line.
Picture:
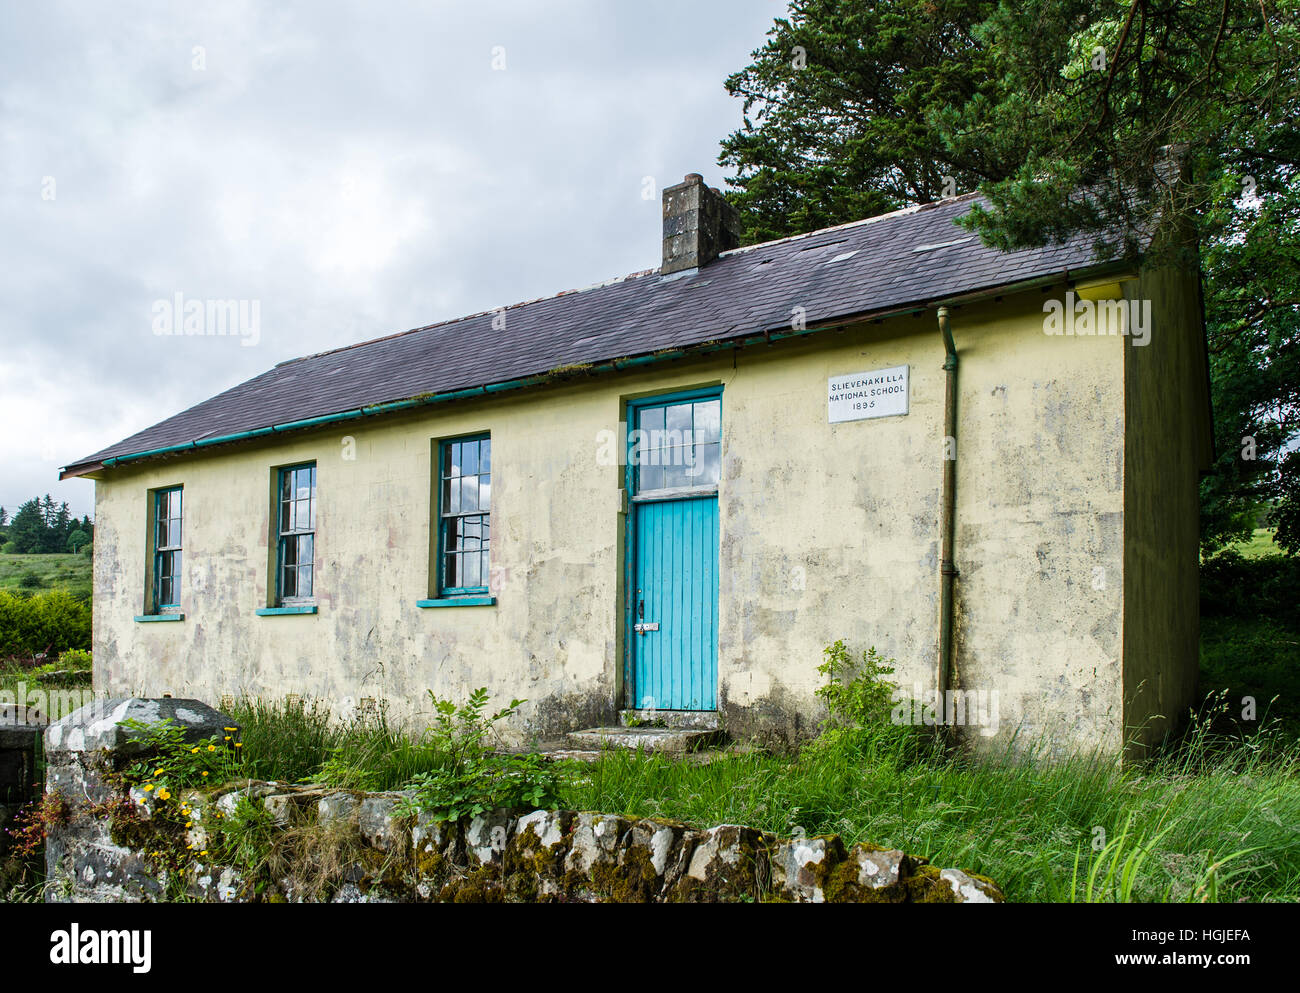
x,y
69,572
1260,544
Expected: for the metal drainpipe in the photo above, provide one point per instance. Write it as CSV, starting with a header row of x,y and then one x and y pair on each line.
x,y
947,509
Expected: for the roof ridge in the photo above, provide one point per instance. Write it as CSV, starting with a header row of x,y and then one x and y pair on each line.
x,y
915,208
638,274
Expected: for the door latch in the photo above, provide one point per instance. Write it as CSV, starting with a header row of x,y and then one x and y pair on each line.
x,y
641,627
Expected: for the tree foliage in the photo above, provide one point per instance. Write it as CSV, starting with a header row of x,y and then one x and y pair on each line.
x,y
41,526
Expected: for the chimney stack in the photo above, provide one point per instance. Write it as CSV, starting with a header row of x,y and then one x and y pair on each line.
x,y
699,223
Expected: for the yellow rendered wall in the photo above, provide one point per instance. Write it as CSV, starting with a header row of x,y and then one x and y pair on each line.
x,y
827,531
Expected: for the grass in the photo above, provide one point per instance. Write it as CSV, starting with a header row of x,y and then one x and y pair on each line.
x,y
1257,658
1212,819
297,741
34,573
1259,545
1026,823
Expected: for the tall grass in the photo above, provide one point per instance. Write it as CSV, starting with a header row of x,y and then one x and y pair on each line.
x,y
1226,831
1214,818
298,741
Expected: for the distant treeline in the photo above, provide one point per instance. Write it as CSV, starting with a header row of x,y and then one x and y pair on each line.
x,y
42,526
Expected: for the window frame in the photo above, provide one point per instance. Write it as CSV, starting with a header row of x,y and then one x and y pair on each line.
x,y
635,408
156,606
280,536
440,590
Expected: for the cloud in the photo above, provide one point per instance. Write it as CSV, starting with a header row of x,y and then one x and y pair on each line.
x,y
356,168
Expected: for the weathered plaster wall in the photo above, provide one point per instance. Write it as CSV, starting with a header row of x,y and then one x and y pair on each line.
x,y
1169,443
828,531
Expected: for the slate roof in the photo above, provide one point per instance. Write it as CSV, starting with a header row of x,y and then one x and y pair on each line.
x,y
915,256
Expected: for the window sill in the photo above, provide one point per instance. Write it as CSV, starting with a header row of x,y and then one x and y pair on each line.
x,y
458,601
154,618
278,611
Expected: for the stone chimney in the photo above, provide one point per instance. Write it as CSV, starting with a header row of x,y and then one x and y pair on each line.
x,y
698,224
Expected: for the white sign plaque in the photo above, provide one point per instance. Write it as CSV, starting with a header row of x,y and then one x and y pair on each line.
x,y
857,396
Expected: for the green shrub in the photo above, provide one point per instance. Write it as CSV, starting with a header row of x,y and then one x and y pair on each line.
x,y
52,621
9,548
77,659
472,778
1235,586
29,581
859,701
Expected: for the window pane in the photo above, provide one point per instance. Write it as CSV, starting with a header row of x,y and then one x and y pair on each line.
x,y
451,500
469,493
484,492
451,534
452,576
708,422
469,458
454,468
472,572
286,486
289,552
289,582
652,419
678,422
651,477
306,549
485,455
304,580
708,459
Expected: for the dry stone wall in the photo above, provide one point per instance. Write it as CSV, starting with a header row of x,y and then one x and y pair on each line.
x,y
313,843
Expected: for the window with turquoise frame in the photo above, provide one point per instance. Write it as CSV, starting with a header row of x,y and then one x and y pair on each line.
x,y
166,551
464,516
676,443
296,535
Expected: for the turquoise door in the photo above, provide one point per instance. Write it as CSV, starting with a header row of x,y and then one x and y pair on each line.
x,y
674,460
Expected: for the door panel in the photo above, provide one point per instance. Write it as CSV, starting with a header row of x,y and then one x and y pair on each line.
x,y
675,604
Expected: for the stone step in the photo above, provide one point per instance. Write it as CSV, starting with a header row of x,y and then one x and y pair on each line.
x,y
649,739
693,720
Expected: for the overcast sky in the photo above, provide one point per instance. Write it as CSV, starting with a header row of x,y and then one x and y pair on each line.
x,y
354,168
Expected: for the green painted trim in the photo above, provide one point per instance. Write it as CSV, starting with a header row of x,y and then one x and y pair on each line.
x,y
277,611
452,596
459,601
154,618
